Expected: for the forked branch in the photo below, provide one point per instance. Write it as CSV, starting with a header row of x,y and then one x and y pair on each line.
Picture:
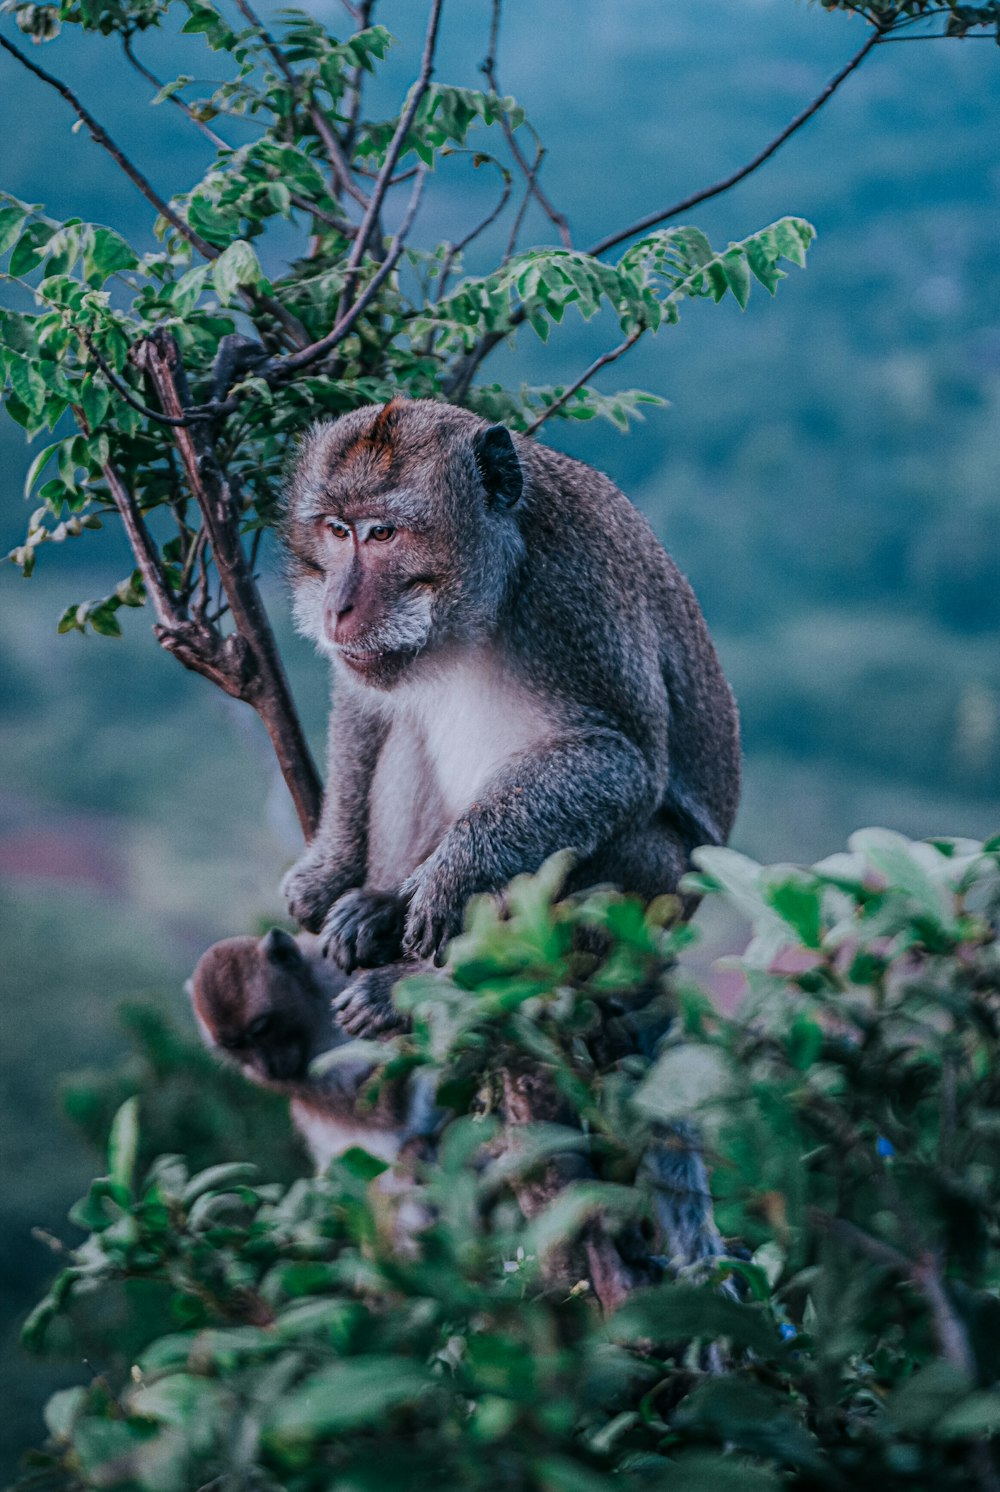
x,y
251,655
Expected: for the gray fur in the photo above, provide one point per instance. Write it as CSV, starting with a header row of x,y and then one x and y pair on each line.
x,y
613,731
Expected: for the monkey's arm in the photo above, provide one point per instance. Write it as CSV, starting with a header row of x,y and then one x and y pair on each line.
x,y
336,858
575,794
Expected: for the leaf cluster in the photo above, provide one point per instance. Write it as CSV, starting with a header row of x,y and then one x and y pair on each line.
x,y
291,1336
416,323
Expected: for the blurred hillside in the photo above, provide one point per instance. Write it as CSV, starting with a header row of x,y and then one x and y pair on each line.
x,y
827,474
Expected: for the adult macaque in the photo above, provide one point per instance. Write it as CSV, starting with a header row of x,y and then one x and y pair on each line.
x,y
519,668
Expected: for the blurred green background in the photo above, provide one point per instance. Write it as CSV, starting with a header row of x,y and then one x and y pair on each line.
x,y
827,474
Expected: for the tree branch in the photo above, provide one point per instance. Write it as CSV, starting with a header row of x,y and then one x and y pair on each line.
x,y
519,215
101,137
488,69
123,390
298,360
393,153
253,662
174,98
728,182
454,249
465,370
595,367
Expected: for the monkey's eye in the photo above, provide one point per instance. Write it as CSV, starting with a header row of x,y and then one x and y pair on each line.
x,y
336,528
381,533
261,1027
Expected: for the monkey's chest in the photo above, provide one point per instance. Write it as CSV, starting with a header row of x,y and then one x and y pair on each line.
x,y
446,741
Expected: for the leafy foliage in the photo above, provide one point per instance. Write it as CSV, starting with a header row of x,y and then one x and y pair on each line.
x,y
421,325
850,1111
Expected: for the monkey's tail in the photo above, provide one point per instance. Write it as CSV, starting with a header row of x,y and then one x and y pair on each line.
x,y
674,1168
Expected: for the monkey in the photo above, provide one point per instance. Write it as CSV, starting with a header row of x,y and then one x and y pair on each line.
x,y
518,667
272,1006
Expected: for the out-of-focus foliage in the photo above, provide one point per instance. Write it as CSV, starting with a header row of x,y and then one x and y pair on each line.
x,y
280,1337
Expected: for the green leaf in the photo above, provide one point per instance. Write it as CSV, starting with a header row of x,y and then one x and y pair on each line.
x,y
677,1312
348,1395
238,265
123,1144
105,253
797,899
12,218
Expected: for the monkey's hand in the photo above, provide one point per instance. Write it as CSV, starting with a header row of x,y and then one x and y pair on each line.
x,y
312,886
365,1007
365,930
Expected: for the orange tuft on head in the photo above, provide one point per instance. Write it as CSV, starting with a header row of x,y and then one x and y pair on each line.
x,y
378,443
383,431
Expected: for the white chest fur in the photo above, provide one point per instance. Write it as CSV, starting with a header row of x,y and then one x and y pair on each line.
x,y
451,730
471,718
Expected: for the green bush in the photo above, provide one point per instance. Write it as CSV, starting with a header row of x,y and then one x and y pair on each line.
x,y
256,1334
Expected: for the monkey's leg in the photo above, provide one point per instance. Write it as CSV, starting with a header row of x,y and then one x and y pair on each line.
x,y
576,795
675,1168
647,861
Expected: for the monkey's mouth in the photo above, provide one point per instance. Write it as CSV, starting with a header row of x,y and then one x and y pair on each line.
x,y
367,660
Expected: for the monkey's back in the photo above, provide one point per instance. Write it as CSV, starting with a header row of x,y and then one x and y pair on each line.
x,y
630,641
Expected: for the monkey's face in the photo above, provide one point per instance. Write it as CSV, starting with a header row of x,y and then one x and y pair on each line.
x,y
256,1001
401,535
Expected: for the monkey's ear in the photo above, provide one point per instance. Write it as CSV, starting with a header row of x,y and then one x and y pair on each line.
x,y
279,947
498,465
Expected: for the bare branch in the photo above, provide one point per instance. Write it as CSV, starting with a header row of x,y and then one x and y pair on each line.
x,y
297,360
252,664
519,218
362,15
101,137
728,182
465,370
455,249
174,98
395,147
595,367
146,554
488,68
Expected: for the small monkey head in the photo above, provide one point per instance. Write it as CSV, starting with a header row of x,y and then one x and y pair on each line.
x,y
256,1000
403,534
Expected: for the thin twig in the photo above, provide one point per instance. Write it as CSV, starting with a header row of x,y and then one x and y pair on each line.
x,y
101,137
728,182
126,393
362,15
297,360
488,68
522,210
349,230
147,556
338,164
196,547
455,249
174,98
942,36
393,153
595,367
